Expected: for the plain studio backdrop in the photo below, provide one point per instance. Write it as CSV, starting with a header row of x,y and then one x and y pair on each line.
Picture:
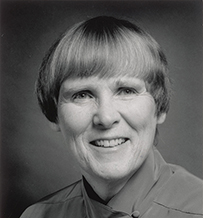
x,y
35,160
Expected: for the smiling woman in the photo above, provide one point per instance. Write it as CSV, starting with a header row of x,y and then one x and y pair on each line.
x,y
104,85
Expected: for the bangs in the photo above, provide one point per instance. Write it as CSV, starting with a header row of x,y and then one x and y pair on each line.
x,y
108,55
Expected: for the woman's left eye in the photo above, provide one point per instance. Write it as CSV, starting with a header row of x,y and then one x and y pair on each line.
x,y
127,91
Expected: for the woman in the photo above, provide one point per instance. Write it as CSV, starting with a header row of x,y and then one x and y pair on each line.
x,y
104,85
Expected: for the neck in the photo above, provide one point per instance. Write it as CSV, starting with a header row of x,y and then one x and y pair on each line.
x,y
106,188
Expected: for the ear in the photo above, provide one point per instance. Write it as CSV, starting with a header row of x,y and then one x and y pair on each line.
x,y
54,126
161,118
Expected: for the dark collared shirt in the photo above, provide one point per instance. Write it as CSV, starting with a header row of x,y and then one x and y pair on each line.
x,y
156,190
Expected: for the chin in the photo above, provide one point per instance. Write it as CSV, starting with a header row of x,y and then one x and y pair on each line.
x,y
114,174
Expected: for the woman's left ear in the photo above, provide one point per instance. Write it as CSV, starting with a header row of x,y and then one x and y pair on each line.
x,y
54,126
161,118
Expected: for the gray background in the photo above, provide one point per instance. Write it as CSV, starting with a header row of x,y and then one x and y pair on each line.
x,y
35,160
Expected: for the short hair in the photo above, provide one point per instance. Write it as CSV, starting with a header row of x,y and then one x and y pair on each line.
x,y
103,46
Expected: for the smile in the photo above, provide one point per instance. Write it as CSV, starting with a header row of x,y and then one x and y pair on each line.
x,y
109,143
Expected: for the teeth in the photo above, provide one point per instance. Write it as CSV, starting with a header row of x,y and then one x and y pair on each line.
x,y
109,143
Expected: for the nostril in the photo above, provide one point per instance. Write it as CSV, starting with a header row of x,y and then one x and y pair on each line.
x,y
106,115
104,121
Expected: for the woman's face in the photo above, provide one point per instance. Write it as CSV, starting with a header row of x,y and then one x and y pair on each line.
x,y
109,124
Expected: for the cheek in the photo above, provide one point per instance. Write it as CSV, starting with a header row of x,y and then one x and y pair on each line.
x,y
74,119
140,113
74,122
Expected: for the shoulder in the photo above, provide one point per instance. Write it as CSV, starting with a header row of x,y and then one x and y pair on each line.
x,y
55,202
62,195
183,192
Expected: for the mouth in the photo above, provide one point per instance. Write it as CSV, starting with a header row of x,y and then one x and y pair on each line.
x,y
109,143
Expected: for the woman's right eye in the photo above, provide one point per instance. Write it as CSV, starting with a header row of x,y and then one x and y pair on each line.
x,y
83,95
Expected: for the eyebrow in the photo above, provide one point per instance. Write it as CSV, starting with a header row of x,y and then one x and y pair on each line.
x,y
120,82
75,87
126,82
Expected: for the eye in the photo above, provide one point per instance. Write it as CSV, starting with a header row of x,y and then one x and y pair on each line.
x,y
126,91
82,95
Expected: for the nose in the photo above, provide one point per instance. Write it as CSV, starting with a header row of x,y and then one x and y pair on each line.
x,y
107,115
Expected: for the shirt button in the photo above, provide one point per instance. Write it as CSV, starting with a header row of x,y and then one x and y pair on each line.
x,y
136,214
